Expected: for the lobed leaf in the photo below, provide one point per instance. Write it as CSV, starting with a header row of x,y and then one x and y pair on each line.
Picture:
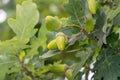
x,y
84,55
27,17
76,10
12,46
39,41
50,53
107,65
7,62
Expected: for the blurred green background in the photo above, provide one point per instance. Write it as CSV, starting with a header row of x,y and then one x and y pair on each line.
x,y
45,7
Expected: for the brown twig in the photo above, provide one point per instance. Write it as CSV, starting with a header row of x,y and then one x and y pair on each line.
x,y
87,67
27,72
84,31
118,52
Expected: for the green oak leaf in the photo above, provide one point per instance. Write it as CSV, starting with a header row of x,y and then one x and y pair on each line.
x,y
49,53
76,10
116,20
83,55
113,41
20,1
107,65
97,32
8,64
118,31
42,36
27,17
39,41
12,46
111,14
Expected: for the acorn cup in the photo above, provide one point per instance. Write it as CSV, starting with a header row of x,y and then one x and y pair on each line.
x,y
92,6
58,68
52,45
52,23
61,41
68,74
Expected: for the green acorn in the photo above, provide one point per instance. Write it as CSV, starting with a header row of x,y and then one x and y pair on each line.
x,y
58,68
52,45
61,41
89,23
52,23
21,55
92,6
68,74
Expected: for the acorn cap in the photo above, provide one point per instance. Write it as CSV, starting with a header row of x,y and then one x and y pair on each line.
x,y
68,74
48,18
60,34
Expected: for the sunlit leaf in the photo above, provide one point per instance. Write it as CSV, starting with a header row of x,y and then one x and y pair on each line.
x,y
12,46
26,18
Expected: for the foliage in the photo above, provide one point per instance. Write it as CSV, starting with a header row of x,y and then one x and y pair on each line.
x,y
83,38
107,65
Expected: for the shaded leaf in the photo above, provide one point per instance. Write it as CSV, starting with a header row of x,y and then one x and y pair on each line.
x,y
76,10
97,32
118,31
70,30
111,13
113,41
42,36
84,55
39,41
116,20
6,64
50,53
108,65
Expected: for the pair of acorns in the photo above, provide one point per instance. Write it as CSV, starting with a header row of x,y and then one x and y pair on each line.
x,y
62,68
58,43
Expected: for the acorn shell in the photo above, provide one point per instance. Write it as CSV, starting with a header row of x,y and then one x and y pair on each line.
x,y
61,42
68,74
52,23
92,6
52,45
58,68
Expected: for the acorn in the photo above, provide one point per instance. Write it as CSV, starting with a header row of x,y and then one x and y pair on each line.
x,y
21,55
92,6
52,23
89,23
68,74
58,68
52,45
61,41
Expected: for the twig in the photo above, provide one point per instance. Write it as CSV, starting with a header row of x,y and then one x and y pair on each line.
x,y
27,72
87,67
84,31
118,52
